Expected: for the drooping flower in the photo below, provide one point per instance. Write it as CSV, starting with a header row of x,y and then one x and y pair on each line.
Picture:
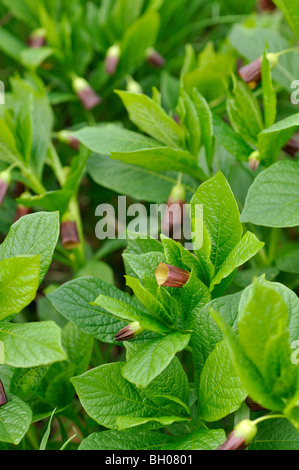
x,y
69,232
241,437
3,397
154,58
171,276
129,332
86,94
5,179
112,59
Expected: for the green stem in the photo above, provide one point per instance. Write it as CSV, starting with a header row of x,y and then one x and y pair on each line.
x,y
274,240
264,418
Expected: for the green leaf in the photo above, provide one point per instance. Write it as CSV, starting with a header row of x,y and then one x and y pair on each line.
x,y
290,10
289,261
50,201
273,198
34,57
206,334
190,119
109,138
152,303
144,265
247,247
129,440
162,159
19,281
230,140
138,37
107,397
136,182
74,301
31,235
201,439
244,112
152,358
78,347
15,419
221,217
271,140
206,123
130,313
220,390
276,434
152,119
31,344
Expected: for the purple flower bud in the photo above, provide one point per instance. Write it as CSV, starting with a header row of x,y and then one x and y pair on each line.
x,y
292,147
37,38
3,397
173,216
241,437
67,138
86,94
69,233
251,73
253,406
267,5
5,179
129,332
112,59
154,58
171,276
254,160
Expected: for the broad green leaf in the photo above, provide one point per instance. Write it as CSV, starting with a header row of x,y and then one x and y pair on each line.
x,y
138,37
144,265
128,440
126,422
162,159
34,57
269,93
220,390
50,201
130,313
19,281
289,261
136,182
33,234
273,198
244,112
206,333
220,215
109,138
31,344
15,419
202,439
11,45
247,247
74,301
151,302
78,347
290,10
152,119
194,295
271,140
230,140
248,373
152,358
106,396
276,434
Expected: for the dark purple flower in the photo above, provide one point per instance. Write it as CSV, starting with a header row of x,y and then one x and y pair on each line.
x,y
112,59
86,94
3,397
154,58
129,332
171,276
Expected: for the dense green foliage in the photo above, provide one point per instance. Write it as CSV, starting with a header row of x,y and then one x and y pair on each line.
x,y
140,342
